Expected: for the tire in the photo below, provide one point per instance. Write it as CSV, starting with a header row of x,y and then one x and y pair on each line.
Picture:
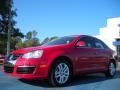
x,y
111,69
60,73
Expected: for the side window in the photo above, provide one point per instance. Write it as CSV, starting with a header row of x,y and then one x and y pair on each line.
x,y
88,41
105,46
99,45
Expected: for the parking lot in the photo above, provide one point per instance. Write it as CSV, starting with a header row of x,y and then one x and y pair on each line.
x,y
88,82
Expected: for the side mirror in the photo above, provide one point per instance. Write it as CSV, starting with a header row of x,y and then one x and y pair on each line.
x,y
81,44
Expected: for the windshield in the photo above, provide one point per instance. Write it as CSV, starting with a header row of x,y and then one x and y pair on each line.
x,y
62,40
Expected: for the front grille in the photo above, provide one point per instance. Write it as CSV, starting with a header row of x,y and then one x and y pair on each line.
x,y
9,63
8,67
25,70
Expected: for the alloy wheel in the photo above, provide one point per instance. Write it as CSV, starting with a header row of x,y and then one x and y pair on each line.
x,y
112,69
62,73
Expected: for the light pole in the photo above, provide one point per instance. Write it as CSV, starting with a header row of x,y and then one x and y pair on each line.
x,y
9,26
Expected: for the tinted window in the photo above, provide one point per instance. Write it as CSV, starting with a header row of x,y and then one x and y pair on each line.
x,y
99,45
88,41
62,40
93,42
105,46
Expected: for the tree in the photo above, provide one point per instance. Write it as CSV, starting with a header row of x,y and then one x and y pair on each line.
x,y
3,6
7,13
29,35
30,40
4,19
2,46
19,45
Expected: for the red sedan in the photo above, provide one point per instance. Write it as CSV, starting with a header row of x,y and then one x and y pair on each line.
x,y
61,59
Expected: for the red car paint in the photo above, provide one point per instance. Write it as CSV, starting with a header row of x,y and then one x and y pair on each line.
x,y
84,59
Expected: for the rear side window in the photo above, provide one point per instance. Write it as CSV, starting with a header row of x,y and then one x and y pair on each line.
x,y
99,45
105,46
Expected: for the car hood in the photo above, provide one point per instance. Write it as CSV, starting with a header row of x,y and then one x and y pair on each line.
x,y
29,49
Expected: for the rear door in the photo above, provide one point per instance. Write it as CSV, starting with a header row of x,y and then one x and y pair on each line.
x,y
101,55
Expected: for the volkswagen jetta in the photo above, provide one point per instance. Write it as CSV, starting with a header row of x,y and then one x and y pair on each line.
x,y
62,58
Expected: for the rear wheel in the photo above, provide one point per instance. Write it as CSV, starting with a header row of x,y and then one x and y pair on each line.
x,y
111,70
60,73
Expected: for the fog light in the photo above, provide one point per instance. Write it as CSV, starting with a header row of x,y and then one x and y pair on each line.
x,y
25,69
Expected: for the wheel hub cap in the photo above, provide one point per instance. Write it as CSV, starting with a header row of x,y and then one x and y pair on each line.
x,y
62,73
112,69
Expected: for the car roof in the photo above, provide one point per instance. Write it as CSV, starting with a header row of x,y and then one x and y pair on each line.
x,y
82,35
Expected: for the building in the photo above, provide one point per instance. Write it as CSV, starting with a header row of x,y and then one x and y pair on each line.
x,y
111,34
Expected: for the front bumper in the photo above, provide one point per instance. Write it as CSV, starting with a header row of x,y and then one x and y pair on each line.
x,y
27,70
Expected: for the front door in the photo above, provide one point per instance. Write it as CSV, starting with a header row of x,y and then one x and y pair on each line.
x,y
86,61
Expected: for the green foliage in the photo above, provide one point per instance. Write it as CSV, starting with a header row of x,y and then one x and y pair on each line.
x,y
6,7
30,40
19,45
3,46
29,35
4,19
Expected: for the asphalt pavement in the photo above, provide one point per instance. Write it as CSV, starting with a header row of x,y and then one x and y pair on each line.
x,y
88,82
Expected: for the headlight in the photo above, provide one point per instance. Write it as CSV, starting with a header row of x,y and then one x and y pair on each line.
x,y
33,54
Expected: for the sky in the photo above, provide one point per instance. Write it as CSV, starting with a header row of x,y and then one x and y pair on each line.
x,y
64,17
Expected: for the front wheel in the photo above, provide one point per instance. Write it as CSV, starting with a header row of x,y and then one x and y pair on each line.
x,y
60,73
111,70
